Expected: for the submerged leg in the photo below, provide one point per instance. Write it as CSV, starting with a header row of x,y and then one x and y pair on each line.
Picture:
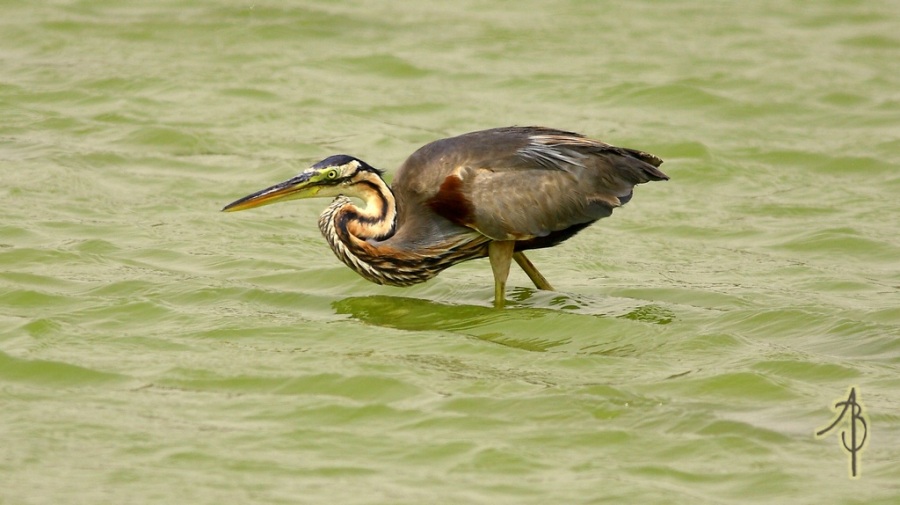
x,y
500,252
539,280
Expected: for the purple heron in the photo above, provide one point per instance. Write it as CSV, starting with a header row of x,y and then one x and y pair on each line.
x,y
493,193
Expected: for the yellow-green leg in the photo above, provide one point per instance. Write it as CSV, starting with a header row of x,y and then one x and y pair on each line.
x,y
539,280
500,253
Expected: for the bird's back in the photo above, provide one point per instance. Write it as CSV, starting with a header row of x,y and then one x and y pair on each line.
x,y
517,183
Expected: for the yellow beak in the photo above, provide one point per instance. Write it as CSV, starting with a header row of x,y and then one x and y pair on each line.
x,y
292,189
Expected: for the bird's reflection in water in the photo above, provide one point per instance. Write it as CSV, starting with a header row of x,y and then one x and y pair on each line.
x,y
538,320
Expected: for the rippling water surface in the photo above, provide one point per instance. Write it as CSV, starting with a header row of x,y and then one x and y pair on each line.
x,y
154,350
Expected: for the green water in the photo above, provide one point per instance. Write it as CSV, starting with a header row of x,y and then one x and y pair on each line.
x,y
155,350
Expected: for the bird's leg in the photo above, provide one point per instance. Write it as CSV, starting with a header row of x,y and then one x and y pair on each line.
x,y
500,252
539,280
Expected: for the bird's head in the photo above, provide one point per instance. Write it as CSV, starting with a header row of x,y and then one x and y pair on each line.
x,y
333,176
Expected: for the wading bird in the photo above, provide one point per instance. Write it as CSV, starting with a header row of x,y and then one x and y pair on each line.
x,y
493,193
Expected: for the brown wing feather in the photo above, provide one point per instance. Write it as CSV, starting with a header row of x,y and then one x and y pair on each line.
x,y
519,183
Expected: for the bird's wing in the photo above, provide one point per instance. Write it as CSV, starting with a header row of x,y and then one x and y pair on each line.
x,y
522,183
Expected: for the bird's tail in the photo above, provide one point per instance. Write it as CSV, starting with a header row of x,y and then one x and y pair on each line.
x,y
648,165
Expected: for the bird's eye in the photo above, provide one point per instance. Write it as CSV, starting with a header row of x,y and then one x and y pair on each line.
x,y
332,174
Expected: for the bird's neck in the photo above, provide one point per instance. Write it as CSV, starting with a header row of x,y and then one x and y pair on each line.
x,y
354,232
360,237
376,220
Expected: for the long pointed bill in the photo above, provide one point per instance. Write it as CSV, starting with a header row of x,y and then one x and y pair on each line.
x,y
292,189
